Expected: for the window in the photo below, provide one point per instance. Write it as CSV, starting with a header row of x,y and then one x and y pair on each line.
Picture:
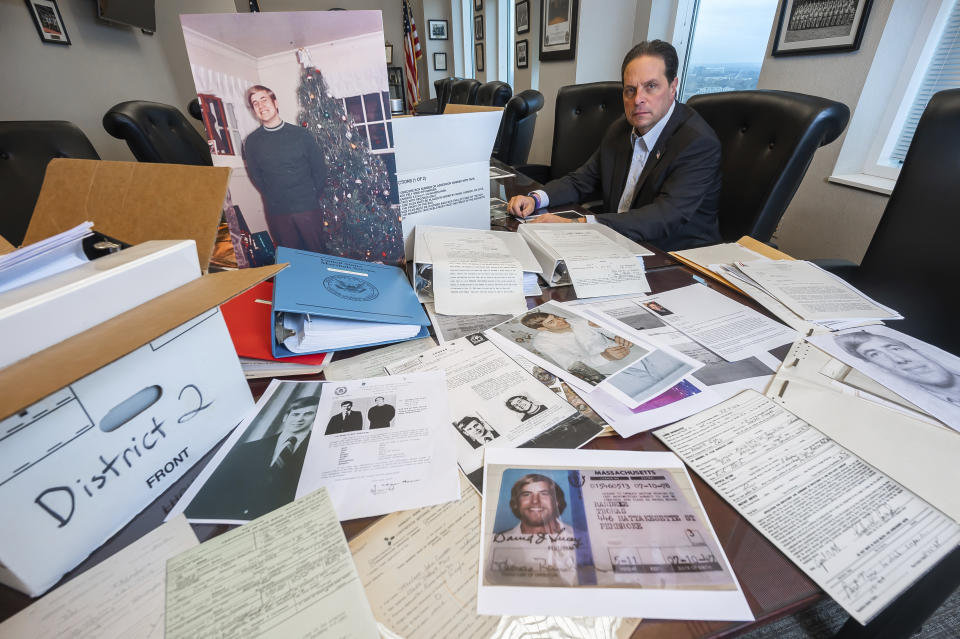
x,y
917,56
727,45
939,69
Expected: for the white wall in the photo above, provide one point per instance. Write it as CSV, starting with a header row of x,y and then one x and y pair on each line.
x,y
436,10
105,64
824,219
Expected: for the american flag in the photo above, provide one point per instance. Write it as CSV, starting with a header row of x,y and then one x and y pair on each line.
x,y
411,53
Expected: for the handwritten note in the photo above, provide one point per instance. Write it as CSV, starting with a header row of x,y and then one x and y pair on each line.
x,y
121,597
858,534
286,574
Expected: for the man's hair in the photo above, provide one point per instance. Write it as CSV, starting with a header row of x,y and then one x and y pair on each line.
x,y
851,342
460,425
534,320
301,402
513,399
346,402
376,398
528,479
259,87
656,48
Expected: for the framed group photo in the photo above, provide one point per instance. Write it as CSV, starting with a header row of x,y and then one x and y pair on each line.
x,y
523,16
437,29
813,26
522,46
46,17
558,29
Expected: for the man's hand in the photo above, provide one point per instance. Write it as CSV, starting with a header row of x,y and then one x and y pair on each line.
x,y
550,217
521,205
616,352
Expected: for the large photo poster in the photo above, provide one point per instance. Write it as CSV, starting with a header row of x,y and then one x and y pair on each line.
x,y
297,105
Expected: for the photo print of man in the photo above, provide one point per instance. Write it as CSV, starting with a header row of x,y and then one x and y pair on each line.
x,y
316,168
476,431
261,472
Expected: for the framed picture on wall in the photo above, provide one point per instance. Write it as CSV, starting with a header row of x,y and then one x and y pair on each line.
x,y
522,54
477,28
389,49
523,16
478,55
439,61
558,29
807,26
46,17
478,5
437,29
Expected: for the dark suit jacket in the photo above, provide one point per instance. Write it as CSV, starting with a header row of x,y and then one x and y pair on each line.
x,y
337,424
676,203
245,486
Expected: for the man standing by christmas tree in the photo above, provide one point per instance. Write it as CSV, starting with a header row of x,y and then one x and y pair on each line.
x,y
285,163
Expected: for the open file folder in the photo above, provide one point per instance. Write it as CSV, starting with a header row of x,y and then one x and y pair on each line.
x,y
327,303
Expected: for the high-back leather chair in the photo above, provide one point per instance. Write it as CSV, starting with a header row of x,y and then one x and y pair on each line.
x,y
194,109
912,261
516,127
25,150
157,132
444,88
583,114
464,92
768,139
494,93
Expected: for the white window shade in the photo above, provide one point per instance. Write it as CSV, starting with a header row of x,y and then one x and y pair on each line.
x,y
942,72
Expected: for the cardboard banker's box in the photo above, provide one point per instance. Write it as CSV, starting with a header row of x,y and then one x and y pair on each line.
x,y
96,427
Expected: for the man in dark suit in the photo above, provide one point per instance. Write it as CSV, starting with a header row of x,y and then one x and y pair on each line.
x,y
658,168
381,414
344,421
259,476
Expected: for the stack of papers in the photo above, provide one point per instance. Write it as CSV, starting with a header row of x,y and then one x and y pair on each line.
x,y
805,296
44,258
313,333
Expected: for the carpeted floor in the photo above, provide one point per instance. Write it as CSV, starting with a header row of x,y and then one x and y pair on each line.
x,y
826,618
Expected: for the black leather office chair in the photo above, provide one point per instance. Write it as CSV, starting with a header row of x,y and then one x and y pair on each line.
x,y
516,127
157,132
25,150
768,140
464,92
194,109
912,261
494,93
583,114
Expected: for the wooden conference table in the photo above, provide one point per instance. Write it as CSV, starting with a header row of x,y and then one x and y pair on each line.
x,y
773,586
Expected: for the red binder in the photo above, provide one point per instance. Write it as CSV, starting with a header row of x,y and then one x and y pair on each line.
x,y
248,318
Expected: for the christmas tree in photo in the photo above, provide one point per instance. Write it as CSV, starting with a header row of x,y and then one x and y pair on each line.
x,y
361,213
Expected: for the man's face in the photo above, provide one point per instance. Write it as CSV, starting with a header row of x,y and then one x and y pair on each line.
x,y
904,361
555,324
345,408
264,107
647,95
521,404
537,504
475,430
299,419
379,401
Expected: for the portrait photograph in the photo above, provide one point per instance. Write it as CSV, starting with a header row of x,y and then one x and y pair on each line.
x,y
476,431
313,165
810,26
437,29
478,28
921,373
571,342
46,17
523,16
261,471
